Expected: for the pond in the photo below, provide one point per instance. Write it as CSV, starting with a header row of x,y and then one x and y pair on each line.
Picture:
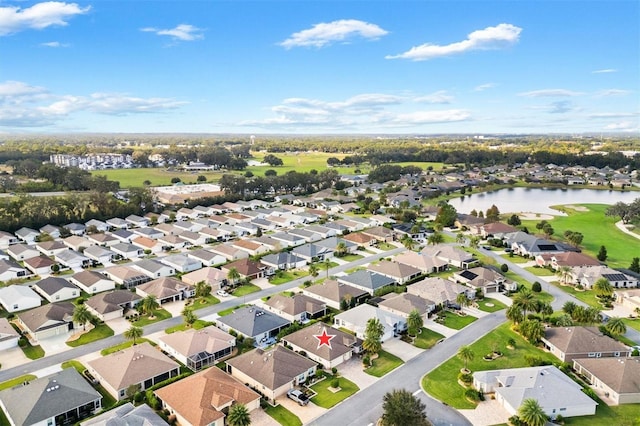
x,y
538,200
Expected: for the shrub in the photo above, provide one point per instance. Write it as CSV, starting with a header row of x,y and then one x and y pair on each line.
x,y
511,343
366,360
138,397
335,383
465,378
590,393
334,370
534,361
504,268
536,287
559,419
515,421
474,395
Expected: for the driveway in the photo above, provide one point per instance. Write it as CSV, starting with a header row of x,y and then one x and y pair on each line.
x,y
487,413
439,328
174,308
55,344
403,350
260,418
12,357
306,413
119,325
263,283
353,371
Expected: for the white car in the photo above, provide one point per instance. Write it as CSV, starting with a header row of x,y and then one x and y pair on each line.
x,y
222,293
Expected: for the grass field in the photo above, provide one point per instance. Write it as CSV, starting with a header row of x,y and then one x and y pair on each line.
x,y
457,322
229,310
327,399
442,383
282,277
598,230
385,363
199,302
132,178
541,272
427,339
621,415
32,352
283,416
101,331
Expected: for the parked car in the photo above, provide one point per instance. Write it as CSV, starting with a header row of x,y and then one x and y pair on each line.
x,y
222,293
298,397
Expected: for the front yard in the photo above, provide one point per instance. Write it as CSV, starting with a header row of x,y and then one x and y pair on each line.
x,y
158,315
385,363
283,416
541,272
183,327
427,339
620,415
124,345
327,398
351,257
245,289
101,331
491,305
282,277
442,384
456,321
199,302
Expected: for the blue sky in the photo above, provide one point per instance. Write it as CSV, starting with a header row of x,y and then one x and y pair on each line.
x,y
320,67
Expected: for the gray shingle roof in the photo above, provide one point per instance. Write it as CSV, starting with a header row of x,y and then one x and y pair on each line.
x,y
252,321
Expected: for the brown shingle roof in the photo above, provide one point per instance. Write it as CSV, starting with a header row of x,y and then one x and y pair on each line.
x,y
335,291
47,315
296,304
209,339
621,374
104,303
575,340
164,287
305,339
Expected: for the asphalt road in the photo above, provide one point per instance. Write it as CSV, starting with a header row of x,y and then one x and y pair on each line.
x,y
365,407
79,351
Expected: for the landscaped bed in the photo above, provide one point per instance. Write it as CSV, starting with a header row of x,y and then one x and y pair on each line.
x,y
158,315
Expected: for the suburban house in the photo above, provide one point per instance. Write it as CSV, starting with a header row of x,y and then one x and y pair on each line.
x,y
207,257
181,263
569,343
113,304
556,393
527,245
380,233
493,229
287,240
403,304
47,320
56,289
442,292
99,254
7,239
76,242
98,225
14,298
366,280
104,240
127,414
195,238
229,252
141,365
92,282
10,270
298,307
426,264
198,349
213,277
173,241
72,259
153,268
313,252
8,335
308,236
488,280
333,292
117,223
588,275
27,235
248,269
76,228
253,322
150,233
51,248
127,250
399,272
272,372
166,289
137,221
343,345
62,398
454,256
361,239
21,252
628,298
356,320
251,247
615,379
124,235
204,398
567,258
126,276
283,261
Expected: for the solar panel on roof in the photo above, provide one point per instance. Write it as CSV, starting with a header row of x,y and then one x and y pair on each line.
x,y
615,277
468,275
547,247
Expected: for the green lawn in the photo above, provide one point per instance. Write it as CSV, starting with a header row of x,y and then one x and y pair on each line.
x,y
183,327
586,296
385,246
283,416
32,352
245,289
351,257
543,295
123,345
490,305
632,323
18,380
541,272
515,258
158,315
327,399
282,277
457,322
442,383
101,331
598,230
74,364
229,310
621,415
427,339
385,363
130,178
200,303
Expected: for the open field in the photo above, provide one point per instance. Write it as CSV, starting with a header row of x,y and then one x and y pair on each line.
x,y
598,230
131,178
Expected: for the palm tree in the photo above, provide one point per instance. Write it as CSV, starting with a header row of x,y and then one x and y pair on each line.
x,y
525,300
569,307
373,336
189,316
603,288
474,242
133,333
565,273
233,275
313,270
460,238
462,300
149,305
532,413
408,242
341,249
81,315
414,322
514,314
564,320
238,416
466,354
202,290
435,239
532,330
616,326
327,266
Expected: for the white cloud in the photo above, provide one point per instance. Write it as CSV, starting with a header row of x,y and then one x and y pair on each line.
x,y
483,87
54,44
327,33
604,71
545,93
41,15
23,105
439,97
428,117
485,39
183,32
613,115
623,126
612,92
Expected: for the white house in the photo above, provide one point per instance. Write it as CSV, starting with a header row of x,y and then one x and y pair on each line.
x,y
16,298
100,254
22,251
181,262
56,289
8,336
10,270
356,320
72,259
92,282
127,251
153,268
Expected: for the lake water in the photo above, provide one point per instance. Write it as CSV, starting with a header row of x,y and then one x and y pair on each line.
x,y
538,200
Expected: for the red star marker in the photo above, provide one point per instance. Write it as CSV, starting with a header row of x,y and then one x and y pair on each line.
x,y
324,338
